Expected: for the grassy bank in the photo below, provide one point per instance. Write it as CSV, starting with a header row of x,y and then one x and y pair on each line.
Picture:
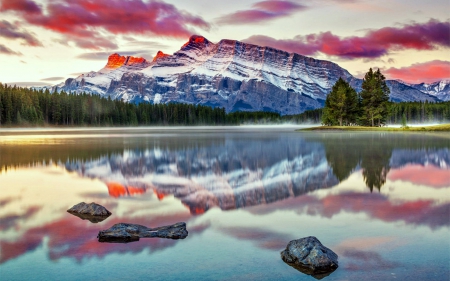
x,y
442,127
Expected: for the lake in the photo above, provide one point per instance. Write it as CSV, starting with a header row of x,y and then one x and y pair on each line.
x,y
381,201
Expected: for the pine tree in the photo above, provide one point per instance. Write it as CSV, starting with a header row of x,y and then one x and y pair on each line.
x,y
374,98
341,105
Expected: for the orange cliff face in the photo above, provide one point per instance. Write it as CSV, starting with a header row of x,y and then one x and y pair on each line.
x,y
118,190
160,55
116,61
196,40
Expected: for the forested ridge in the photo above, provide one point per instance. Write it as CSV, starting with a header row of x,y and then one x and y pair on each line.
x,y
30,107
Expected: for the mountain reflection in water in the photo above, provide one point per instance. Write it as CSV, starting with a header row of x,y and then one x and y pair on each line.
x,y
237,173
380,201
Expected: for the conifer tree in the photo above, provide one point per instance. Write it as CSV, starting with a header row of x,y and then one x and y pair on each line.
x,y
341,105
374,98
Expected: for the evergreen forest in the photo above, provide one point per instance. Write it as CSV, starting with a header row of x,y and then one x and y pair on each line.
x,y
31,107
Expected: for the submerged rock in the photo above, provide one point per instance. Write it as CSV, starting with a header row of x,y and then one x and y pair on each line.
x,y
125,232
92,212
310,257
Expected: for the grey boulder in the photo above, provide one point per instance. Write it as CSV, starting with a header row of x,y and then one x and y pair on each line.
x,y
310,257
92,212
125,232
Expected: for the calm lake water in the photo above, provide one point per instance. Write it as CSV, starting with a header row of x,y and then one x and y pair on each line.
x,y
381,201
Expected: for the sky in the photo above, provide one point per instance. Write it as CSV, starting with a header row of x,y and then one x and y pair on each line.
x,y
44,42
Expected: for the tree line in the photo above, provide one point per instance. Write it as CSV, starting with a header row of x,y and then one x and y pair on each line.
x,y
31,107
22,106
371,107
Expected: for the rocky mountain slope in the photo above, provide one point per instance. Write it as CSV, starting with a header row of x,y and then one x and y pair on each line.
x,y
230,74
440,89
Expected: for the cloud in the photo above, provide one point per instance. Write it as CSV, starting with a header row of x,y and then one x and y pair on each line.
x,y
262,11
427,175
29,84
146,44
367,261
7,51
71,237
375,43
427,72
375,205
53,79
94,24
10,221
27,6
9,31
265,239
104,55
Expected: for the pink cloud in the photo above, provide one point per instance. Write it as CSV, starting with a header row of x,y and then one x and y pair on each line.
x,y
10,31
375,43
26,6
427,72
375,205
417,174
262,11
84,22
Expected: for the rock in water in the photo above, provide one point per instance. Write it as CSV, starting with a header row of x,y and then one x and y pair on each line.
x,y
125,232
309,256
92,212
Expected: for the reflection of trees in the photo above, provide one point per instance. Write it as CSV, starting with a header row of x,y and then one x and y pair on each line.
x,y
371,152
341,157
72,148
345,152
375,162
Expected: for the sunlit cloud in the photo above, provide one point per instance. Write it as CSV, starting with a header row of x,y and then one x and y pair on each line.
x,y
52,79
262,11
427,72
429,175
431,35
103,56
10,31
88,24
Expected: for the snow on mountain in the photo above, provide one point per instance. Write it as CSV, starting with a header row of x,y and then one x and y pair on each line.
x,y
218,174
230,74
440,89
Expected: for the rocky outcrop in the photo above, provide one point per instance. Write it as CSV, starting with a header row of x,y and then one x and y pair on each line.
x,y
310,257
115,61
124,232
160,55
93,212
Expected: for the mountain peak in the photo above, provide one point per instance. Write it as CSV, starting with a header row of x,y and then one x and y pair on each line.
x,y
197,40
159,55
115,61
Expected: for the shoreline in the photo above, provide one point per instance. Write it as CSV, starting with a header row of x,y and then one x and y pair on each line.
x,y
433,128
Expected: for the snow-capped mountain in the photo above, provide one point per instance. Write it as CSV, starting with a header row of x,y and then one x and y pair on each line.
x,y
440,89
222,174
230,74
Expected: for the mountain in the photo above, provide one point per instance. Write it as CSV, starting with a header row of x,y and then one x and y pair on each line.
x,y
440,89
229,173
230,74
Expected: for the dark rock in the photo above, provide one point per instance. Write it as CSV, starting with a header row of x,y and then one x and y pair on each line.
x,y
92,212
310,257
93,219
125,232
